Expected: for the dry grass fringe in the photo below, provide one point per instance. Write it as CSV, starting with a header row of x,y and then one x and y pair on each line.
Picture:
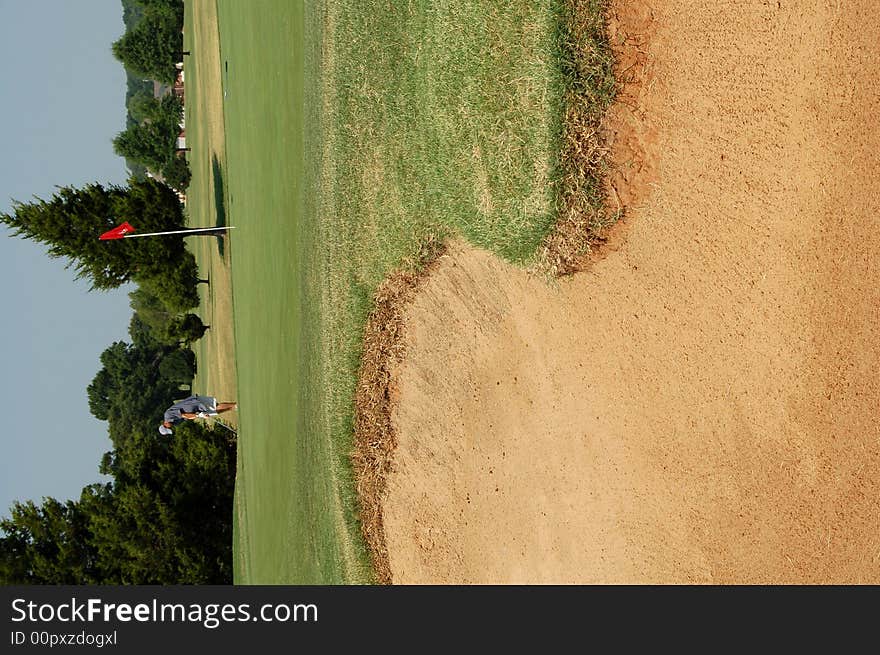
x,y
581,201
374,436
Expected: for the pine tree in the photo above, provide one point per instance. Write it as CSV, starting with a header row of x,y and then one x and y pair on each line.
x,y
73,219
69,224
48,544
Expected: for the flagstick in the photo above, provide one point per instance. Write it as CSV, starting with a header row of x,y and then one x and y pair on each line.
x,y
191,231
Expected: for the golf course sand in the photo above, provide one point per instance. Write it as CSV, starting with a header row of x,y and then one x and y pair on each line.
x,y
700,405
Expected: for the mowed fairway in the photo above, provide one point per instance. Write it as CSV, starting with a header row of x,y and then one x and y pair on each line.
x,y
288,486
354,132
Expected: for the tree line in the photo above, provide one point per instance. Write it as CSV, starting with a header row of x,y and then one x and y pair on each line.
x,y
166,517
151,49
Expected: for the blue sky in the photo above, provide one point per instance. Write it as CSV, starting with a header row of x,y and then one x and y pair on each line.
x,y
63,102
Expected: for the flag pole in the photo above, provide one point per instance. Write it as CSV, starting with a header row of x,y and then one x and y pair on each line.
x,y
190,231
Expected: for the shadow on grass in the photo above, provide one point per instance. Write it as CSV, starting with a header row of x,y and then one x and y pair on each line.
x,y
219,203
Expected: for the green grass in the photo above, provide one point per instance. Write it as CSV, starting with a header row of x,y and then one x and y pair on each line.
x,y
445,118
292,512
354,132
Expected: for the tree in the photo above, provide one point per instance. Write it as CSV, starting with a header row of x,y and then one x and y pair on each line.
x,y
129,385
167,111
152,321
100,397
144,336
69,224
73,219
157,208
166,519
174,282
146,143
150,47
178,366
175,7
177,174
48,544
155,146
189,328
152,138
124,368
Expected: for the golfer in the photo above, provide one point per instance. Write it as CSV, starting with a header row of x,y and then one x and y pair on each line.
x,y
192,408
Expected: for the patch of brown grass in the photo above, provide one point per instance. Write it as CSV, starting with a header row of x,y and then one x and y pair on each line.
x,y
374,435
582,205
205,134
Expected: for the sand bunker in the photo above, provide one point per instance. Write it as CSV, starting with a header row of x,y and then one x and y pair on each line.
x,y
701,406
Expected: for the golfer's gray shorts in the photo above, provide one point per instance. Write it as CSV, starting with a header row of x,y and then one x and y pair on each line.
x,y
210,402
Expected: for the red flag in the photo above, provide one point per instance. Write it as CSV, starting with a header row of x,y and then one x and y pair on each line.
x,y
117,232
